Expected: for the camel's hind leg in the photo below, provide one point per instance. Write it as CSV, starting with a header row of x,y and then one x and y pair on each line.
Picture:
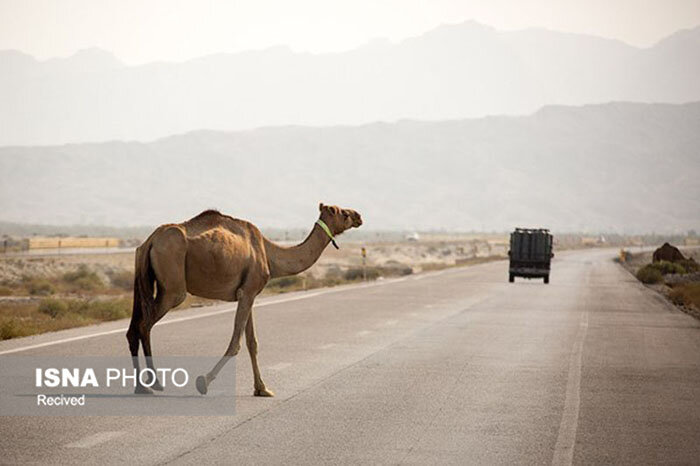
x,y
169,300
168,262
133,335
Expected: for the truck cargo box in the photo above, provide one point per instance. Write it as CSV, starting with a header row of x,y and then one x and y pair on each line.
x,y
530,253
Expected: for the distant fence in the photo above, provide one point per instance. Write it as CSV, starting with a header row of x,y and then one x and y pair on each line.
x,y
39,242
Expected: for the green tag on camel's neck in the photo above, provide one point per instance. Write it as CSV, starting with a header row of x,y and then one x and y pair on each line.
x,y
325,228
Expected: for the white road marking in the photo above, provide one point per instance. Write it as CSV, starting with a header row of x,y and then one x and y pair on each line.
x,y
165,322
327,346
566,440
65,340
204,314
95,439
363,333
390,323
279,366
428,275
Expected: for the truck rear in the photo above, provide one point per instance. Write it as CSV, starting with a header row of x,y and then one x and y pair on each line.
x,y
530,253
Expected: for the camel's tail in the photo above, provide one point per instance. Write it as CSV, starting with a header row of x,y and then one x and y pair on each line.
x,y
144,278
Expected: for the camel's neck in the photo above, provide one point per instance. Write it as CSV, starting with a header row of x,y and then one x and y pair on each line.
x,y
295,259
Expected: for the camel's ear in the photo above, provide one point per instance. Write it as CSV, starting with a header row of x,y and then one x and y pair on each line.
x,y
320,206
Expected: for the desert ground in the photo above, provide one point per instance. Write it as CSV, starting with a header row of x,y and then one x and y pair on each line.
x,y
53,290
680,283
49,290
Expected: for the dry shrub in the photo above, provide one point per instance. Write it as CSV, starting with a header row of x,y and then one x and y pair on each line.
x,y
689,265
123,279
356,273
51,314
686,294
112,309
83,279
97,310
286,282
13,328
53,307
666,267
654,272
39,286
649,275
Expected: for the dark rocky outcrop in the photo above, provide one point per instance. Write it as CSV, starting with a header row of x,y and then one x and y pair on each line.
x,y
668,253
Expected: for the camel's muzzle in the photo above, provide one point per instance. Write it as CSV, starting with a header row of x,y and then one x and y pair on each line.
x,y
356,220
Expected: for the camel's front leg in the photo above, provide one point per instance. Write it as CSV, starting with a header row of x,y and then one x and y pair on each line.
x,y
245,305
252,343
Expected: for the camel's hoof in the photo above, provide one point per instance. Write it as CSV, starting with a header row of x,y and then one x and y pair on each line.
x,y
157,386
202,385
152,381
141,390
263,392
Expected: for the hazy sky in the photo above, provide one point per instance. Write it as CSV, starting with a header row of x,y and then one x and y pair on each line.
x,y
139,31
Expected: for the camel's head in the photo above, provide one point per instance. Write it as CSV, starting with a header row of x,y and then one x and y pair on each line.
x,y
339,220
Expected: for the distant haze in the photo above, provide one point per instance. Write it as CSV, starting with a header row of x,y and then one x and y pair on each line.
x,y
618,167
444,115
454,71
140,31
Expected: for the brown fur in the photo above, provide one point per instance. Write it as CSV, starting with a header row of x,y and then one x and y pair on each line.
x,y
218,257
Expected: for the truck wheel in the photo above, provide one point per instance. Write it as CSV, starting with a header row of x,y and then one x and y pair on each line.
x,y
546,279
511,278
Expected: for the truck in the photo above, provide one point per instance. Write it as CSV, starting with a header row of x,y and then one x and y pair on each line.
x,y
530,253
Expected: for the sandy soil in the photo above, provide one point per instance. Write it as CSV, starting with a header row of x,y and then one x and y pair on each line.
x,y
12,269
415,254
640,259
679,282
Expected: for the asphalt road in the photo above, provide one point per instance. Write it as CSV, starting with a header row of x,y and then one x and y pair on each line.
x,y
457,366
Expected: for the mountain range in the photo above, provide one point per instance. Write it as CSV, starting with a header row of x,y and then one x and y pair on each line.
x,y
623,167
465,70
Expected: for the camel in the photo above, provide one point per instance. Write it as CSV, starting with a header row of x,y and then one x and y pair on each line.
x,y
219,257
